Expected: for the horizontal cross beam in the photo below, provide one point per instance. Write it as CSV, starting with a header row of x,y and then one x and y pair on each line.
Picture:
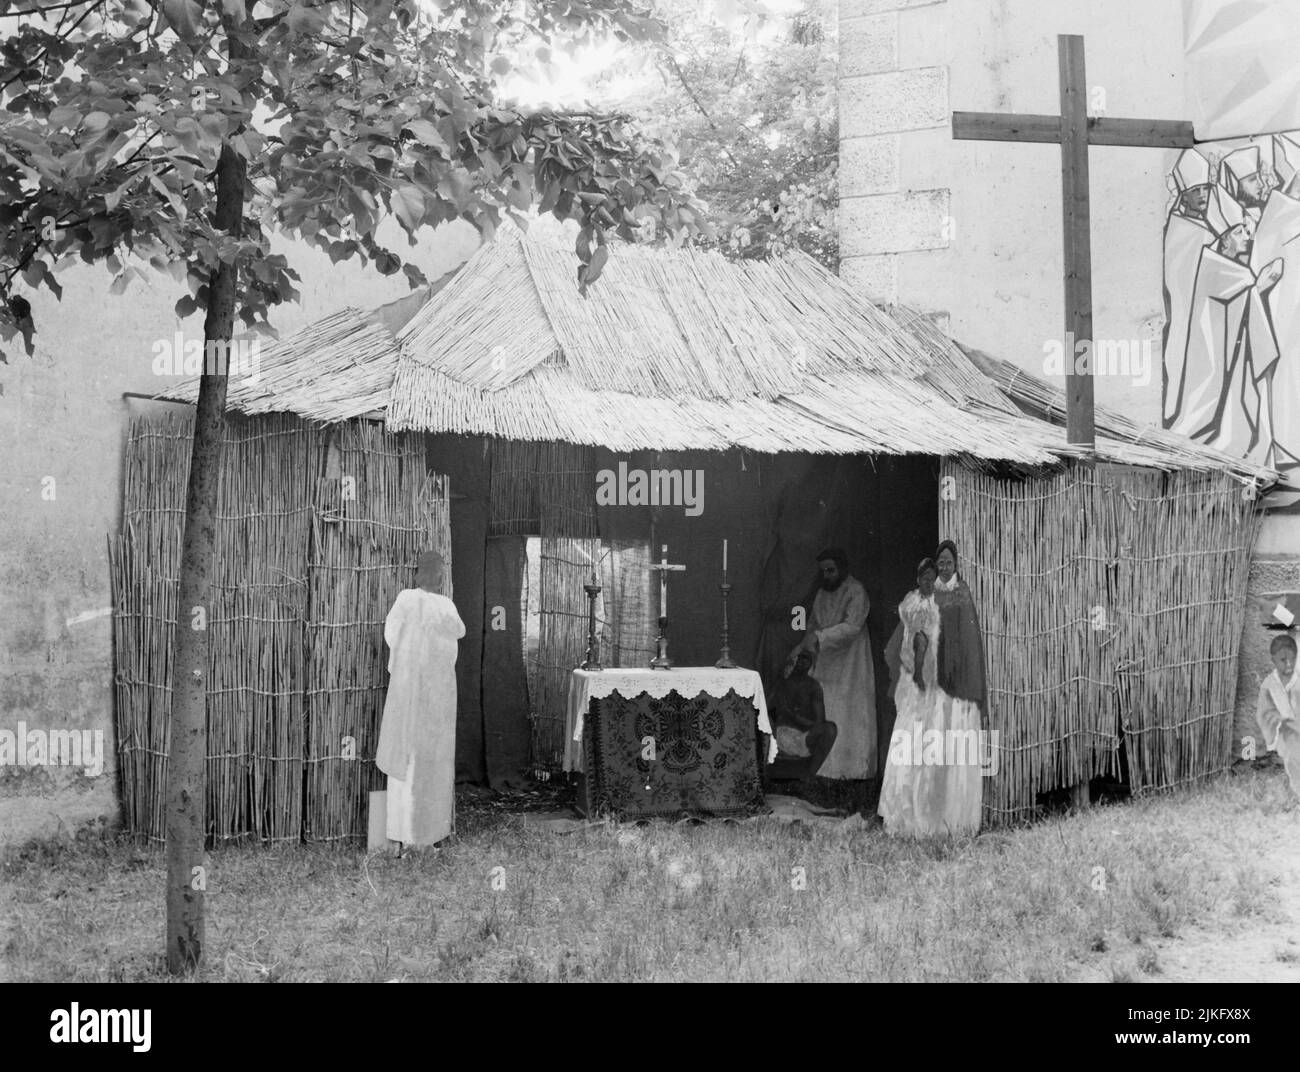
x,y
996,126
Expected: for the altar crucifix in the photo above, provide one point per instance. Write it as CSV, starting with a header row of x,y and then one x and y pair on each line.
x,y
1075,131
661,660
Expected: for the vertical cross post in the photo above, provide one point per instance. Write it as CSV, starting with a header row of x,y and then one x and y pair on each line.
x,y
1074,130
1079,428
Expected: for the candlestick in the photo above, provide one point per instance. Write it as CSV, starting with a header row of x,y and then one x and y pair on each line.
x,y
661,660
592,660
725,663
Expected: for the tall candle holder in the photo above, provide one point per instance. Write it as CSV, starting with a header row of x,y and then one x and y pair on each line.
x,y
661,660
725,663
592,660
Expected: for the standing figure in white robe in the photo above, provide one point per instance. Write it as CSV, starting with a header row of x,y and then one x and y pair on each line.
x,y
1277,239
837,635
1186,235
417,738
1230,345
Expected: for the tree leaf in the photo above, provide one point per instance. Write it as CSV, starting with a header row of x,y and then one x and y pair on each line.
x,y
549,198
598,258
408,205
184,16
427,134
305,20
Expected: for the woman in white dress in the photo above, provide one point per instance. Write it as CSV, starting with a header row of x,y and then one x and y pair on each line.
x,y
913,659
933,784
954,806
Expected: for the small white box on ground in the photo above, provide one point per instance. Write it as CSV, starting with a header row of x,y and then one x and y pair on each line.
x,y
377,822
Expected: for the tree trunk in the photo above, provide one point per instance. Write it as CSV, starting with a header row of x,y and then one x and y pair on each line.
x,y
187,753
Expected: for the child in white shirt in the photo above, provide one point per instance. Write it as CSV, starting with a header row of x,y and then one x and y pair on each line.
x,y
1279,701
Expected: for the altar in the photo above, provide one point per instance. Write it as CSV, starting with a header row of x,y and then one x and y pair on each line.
x,y
664,742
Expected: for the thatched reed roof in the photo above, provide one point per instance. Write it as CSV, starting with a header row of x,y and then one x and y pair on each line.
x,y
686,350
1131,442
681,349
335,369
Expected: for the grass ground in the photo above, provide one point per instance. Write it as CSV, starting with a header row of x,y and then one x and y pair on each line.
x,y
1115,893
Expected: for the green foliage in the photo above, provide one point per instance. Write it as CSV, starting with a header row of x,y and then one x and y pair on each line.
x,y
747,94
115,113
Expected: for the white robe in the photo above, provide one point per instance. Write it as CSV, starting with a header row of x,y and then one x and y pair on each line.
x,y
417,738
1185,238
1276,718
1222,402
1278,235
847,677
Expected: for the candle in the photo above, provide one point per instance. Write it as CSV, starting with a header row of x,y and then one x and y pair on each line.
x,y
593,578
724,556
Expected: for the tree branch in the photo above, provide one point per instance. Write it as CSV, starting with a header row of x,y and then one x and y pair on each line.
x,y
63,37
43,8
681,77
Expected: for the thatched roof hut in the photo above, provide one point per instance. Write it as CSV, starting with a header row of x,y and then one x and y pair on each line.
x,y
817,418
683,350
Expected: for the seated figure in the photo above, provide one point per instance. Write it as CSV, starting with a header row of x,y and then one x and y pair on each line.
x,y
798,712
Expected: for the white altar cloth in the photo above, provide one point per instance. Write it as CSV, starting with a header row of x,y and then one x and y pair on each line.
x,y
687,681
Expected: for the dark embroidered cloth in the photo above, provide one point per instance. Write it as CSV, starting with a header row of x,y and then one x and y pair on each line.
x,y
704,748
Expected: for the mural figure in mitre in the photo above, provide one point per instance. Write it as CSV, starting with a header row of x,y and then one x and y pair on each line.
x,y
1186,234
1277,240
1247,176
1231,352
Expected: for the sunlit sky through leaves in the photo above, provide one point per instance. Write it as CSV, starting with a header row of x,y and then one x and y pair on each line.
x,y
569,80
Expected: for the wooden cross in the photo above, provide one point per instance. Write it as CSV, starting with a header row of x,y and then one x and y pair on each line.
x,y
663,566
1075,131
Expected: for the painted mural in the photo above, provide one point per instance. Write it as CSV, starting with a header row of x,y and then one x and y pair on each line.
x,y
1232,298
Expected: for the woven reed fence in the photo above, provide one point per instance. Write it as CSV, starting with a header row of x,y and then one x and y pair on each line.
x,y
378,508
550,489
1110,600
318,528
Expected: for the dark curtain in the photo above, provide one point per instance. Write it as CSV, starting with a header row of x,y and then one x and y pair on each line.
x,y
732,509
465,461
506,735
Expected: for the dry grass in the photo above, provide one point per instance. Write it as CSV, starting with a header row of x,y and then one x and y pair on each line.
x,y
676,902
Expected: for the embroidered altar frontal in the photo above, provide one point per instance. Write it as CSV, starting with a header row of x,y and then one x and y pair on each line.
x,y
704,748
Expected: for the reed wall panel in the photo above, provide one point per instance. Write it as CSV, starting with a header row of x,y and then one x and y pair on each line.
x,y
1110,600
317,529
379,509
